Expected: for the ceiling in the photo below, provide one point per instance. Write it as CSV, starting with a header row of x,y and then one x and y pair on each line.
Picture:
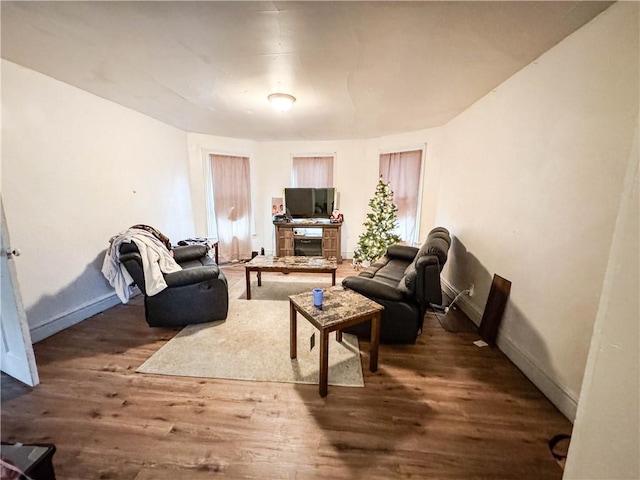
x,y
358,69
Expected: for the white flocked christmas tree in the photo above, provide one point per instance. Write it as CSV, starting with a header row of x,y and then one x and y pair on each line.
x,y
379,226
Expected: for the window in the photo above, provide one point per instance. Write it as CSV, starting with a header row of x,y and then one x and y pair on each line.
x,y
313,172
230,206
402,171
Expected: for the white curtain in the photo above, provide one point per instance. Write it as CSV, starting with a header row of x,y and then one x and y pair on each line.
x,y
232,205
313,172
402,171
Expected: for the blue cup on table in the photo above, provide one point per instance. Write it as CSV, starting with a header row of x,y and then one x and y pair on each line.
x,y
318,295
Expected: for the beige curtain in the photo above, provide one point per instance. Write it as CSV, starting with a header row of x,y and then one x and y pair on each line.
x,y
402,172
313,172
232,205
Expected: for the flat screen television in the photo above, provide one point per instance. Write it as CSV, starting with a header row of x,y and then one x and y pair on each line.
x,y
309,202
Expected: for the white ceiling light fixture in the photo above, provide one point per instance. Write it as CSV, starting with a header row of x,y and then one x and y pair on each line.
x,y
281,101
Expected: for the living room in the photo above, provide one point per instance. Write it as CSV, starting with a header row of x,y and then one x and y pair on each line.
x,y
535,181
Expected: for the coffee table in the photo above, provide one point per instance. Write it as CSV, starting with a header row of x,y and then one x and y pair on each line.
x,y
341,308
268,263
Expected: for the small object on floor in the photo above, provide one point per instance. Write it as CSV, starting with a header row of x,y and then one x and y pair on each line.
x,y
34,461
480,343
559,447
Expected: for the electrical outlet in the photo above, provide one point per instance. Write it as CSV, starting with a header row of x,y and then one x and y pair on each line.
x,y
471,289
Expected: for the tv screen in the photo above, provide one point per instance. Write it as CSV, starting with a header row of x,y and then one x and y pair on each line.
x,y
309,202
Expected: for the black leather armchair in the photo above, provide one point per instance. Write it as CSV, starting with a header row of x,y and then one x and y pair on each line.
x,y
196,294
405,281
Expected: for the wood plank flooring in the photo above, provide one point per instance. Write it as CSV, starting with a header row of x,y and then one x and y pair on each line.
x,y
440,409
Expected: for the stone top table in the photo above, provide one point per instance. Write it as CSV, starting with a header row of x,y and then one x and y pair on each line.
x,y
341,308
268,263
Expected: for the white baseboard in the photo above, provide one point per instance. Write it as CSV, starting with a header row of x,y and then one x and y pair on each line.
x,y
73,317
557,395
562,400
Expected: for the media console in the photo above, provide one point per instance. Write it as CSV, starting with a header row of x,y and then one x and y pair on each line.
x,y
327,244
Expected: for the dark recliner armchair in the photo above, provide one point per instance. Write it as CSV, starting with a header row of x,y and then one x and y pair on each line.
x,y
405,281
196,294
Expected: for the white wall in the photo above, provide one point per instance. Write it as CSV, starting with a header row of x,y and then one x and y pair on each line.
x,y
351,180
77,170
355,174
530,188
606,437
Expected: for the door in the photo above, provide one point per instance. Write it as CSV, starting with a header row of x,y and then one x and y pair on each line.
x,y
17,357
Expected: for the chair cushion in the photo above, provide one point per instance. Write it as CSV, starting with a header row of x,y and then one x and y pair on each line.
x,y
392,271
408,281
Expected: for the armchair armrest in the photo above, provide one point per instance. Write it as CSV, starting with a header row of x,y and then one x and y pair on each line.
x,y
428,288
403,252
426,260
189,252
373,289
190,276
124,257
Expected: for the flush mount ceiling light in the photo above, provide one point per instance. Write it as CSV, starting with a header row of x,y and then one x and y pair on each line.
x,y
281,101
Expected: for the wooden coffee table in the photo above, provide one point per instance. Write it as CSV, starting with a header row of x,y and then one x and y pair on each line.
x,y
267,263
341,308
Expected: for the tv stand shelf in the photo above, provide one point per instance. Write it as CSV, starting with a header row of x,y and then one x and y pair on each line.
x,y
331,237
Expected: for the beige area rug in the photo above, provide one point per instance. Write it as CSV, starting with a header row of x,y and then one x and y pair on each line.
x,y
275,287
253,343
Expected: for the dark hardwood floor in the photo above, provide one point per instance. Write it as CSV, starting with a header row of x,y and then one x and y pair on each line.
x,y
442,408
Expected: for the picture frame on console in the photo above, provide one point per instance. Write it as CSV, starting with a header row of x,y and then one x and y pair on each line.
x,y
277,206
